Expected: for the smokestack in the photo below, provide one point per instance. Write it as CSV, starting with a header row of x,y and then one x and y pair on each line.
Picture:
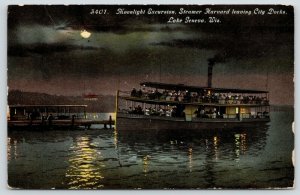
x,y
211,63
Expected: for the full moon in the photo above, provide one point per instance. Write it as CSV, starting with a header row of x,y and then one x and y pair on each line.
x,y
85,34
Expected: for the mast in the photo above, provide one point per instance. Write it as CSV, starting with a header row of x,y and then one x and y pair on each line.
x,y
211,63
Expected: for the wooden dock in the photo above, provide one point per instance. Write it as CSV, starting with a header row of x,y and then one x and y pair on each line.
x,y
52,117
71,123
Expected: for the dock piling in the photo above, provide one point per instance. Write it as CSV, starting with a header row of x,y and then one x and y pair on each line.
x,y
43,121
73,120
110,122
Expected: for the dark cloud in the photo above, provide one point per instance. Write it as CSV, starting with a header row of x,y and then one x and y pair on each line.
x,y
240,45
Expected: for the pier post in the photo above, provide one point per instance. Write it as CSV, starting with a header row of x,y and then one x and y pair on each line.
x,y
31,119
110,121
50,118
73,120
43,121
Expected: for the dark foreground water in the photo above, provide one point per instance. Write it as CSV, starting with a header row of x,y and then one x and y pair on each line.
x,y
105,159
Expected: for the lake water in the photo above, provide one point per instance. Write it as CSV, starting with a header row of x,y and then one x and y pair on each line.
x,y
107,159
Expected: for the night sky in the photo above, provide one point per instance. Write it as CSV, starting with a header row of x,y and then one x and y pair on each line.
x,y
47,54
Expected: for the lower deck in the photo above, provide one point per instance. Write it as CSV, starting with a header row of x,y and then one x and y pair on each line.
x,y
127,121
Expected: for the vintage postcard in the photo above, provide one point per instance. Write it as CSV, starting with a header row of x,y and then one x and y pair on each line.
x,y
150,96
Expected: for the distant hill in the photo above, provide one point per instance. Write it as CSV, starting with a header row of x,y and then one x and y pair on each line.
x,y
105,103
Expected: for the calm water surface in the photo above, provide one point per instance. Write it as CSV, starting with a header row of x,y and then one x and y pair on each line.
x,y
258,157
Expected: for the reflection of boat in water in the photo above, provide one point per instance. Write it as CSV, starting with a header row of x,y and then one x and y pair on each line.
x,y
225,142
252,136
170,106
204,152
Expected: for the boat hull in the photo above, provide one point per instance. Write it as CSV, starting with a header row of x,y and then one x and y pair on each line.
x,y
142,122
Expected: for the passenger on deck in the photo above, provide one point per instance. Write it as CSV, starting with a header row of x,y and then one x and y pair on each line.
x,y
151,95
161,112
187,97
139,110
164,95
173,112
202,113
147,111
134,92
168,113
157,94
139,93
214,115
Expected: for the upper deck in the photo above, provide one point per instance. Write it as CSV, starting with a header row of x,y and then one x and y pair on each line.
x,y
182,87
171,94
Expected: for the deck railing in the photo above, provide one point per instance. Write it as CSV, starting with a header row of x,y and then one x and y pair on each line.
x,y
220,102
258,115
120,113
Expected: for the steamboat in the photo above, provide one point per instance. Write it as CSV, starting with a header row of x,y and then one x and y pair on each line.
x,y
158,106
